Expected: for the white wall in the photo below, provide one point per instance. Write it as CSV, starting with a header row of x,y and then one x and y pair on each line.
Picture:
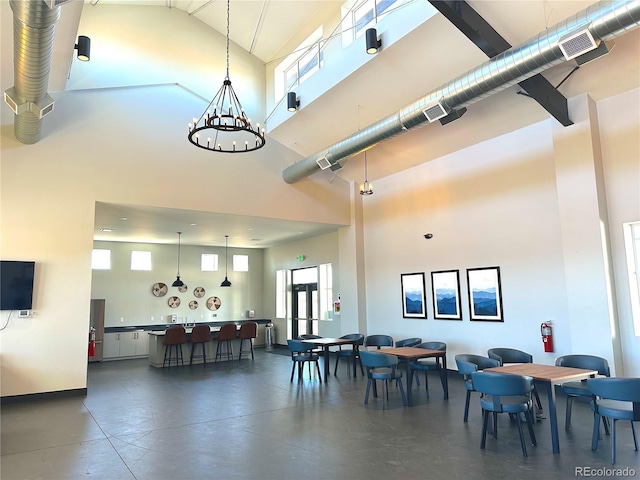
x,y
129,301
499,203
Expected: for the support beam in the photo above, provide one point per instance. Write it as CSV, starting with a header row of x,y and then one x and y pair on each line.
x,y
483,35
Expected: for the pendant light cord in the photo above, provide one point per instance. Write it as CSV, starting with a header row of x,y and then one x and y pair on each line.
x,y
179,234
228,21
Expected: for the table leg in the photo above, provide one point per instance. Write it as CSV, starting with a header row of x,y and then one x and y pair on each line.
x,y
326,363
553,417
446,377
409,382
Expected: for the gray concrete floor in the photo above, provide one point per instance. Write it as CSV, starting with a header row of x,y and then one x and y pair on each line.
x,y
245,420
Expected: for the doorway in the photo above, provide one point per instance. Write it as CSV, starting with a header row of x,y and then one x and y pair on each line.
x,y
305,309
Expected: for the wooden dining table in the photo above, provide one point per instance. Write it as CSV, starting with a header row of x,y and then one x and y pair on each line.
x,y
413,353
326,343
549,376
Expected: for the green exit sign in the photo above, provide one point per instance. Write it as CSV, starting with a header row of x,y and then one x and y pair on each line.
x,y
300,258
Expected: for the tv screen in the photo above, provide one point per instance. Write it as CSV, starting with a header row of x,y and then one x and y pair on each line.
x,y
16,285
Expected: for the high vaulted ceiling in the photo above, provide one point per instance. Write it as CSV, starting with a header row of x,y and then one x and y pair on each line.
x,y
427,58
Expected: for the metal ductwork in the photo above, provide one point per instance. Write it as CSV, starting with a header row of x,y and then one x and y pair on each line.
x,y
34,24
604,21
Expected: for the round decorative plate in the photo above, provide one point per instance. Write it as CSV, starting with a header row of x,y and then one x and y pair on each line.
x,y
193,304
213,303
174,302
159,289
198,292
183,288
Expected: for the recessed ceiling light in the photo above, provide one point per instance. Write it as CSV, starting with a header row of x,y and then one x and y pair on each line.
x,y
192,224
107,229
124,218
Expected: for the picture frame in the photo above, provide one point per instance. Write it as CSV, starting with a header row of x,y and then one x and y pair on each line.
x,y
413,295
485,294
445,290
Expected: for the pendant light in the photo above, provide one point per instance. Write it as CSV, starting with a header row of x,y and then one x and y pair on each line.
x,y
178,282
226,282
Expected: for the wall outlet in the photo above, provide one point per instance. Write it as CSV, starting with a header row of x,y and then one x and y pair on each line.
x,y
152,318
121,319
214,315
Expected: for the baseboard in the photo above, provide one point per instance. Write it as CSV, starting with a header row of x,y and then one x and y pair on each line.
x,y
32,397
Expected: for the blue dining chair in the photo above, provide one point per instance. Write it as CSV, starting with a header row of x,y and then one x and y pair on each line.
x,y
512,355
427,365
378,341
579,389
302,353
350,352
467,364
505,393
380,366
617,399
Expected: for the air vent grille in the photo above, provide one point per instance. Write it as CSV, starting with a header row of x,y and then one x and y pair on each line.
x,y
434,112
323,163
55,3
577,44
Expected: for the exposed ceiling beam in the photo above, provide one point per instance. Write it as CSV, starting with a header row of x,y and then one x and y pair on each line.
x,y
483,35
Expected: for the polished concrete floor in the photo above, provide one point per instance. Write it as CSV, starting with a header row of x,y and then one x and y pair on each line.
x,y
245,420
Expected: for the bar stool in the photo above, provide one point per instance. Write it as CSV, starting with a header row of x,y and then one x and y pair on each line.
x,y
174,338
248,331
201,334
226,335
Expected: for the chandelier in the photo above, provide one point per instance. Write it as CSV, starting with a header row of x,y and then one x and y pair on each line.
x,y
227,129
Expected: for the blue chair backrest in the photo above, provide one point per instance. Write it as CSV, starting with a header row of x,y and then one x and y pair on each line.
x,y
478,360
433,346
509,355
308,336
378,341
501,384
408,342
298,346
377,360
359,337
617,388
588,362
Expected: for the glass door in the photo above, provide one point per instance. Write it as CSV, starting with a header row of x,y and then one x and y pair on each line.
x,y
305,309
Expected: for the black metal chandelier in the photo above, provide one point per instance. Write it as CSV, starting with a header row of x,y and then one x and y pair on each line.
x,y
227,129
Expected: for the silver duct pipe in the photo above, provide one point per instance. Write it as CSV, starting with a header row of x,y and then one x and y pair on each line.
x,y
605,20
34,26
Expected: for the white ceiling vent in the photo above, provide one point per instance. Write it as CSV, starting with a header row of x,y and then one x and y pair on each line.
x,y
323,163
56,3
577,43
434,112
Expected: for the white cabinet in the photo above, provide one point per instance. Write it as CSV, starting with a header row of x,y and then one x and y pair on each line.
x,y
126,344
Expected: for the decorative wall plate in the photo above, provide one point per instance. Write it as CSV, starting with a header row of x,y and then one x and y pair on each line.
x,y
159,289
193,304
198,292
213,303
174,302
183,288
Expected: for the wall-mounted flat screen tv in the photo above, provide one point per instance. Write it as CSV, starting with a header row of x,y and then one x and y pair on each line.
x,y
16,285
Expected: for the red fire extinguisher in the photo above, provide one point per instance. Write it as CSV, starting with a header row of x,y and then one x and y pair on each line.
x,y
92,342
547,336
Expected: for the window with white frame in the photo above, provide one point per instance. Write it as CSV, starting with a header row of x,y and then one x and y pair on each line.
x,y
300,65
140,260
281,294
325,286
359,15
632,247
209,262
100,259
241,263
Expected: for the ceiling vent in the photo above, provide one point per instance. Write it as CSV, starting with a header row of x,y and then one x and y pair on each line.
x,y
577,43
55,3
323,163
434,112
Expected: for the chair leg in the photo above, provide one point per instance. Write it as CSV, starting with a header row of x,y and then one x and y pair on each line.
x,y
204,353
485,422
596,432
538,402
366,394
495,425
567,415
293,369
529,414
318,370
240,354
613,441
635,439
404,398
426,382
466,406
335,369
522,442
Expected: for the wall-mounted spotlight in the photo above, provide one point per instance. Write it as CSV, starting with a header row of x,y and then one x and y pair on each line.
x,y
428,236
84,48
373,44
292,102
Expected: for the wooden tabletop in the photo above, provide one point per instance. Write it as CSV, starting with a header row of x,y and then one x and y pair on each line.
x,y
328,342
410,352
549,373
